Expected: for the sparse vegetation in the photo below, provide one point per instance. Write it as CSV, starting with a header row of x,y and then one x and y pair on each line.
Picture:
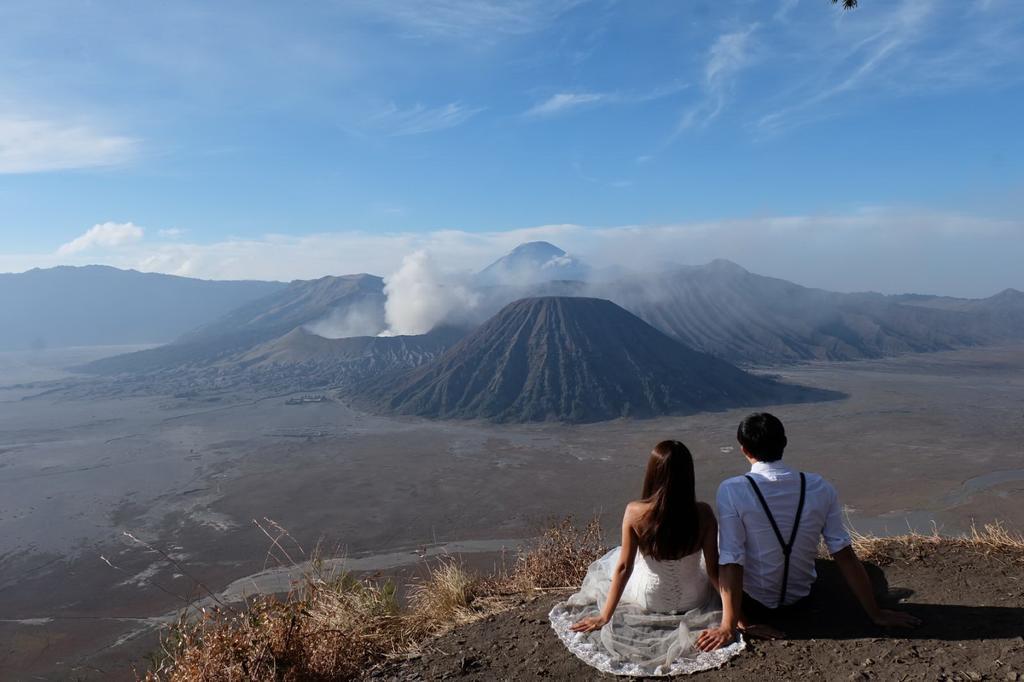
x,y
446,597
992,538
559,557
333,626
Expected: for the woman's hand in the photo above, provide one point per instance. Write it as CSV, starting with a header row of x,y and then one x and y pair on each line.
x,y
589,624
715,638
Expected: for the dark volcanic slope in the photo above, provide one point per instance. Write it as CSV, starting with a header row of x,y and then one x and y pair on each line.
x,y
576,360
301,302
722,309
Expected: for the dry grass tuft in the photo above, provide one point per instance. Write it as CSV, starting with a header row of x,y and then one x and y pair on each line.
x,y
560,556
445,598
327,628
994,537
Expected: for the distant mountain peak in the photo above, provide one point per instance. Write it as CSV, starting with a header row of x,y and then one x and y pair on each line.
x,y
537,249
532,263
726,265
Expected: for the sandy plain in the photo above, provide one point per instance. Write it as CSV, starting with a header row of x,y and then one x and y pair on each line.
x,y
921,440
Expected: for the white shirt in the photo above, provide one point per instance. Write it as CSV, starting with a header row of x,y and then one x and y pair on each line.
x,y
745,534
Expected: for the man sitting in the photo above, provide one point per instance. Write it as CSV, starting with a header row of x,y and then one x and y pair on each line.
x,y
769,523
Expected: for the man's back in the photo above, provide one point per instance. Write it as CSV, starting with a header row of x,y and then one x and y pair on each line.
x,y
746,536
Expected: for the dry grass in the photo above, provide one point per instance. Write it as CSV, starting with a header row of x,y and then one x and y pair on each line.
x,y
446,597
327,628
333,627
560,556
992,538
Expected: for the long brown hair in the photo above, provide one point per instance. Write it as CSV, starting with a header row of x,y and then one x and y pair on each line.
x,y
670,528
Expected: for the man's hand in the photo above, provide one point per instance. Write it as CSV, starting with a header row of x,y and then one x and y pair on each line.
x,y
715,638
895,619
589,624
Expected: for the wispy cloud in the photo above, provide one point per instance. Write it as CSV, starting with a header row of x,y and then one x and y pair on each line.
x,y
729,55
900,49
103,236
785,7
563,102
34,146
479,20
620,183
418,119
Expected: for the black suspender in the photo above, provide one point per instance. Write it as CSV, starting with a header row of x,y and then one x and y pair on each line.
x,y
787,547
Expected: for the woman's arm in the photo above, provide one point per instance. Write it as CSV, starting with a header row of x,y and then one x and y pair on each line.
x,y
623,569
731,589
709,544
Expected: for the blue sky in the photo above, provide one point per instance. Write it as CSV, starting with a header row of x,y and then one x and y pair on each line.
x,y
871,149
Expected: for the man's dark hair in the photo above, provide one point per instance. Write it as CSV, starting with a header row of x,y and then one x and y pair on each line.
x,y
763,436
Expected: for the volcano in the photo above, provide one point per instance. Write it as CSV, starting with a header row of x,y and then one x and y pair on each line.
x,y
532,263
573,360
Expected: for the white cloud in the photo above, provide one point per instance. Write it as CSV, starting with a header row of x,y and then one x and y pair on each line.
x,y
562,102
103,235
171,233
419,119
35,146
727,57
876,248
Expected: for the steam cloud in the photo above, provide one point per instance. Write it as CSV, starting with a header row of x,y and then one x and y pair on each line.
x,y
364,319
420,297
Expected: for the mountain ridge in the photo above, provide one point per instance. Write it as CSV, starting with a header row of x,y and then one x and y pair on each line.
x,y
97,305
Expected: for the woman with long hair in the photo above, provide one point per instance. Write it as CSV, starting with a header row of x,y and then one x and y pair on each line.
x,y
642,605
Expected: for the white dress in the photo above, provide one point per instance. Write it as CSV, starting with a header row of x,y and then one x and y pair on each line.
x,y
665,605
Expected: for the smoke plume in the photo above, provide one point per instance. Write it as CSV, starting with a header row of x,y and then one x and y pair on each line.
x,y
359,319
420,297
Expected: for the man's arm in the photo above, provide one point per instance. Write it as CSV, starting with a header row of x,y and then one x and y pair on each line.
x,y
857,578
841,549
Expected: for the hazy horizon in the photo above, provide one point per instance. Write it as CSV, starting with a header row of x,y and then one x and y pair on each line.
x,y
452,261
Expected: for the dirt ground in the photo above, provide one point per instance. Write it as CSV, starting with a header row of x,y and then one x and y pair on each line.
x,y
921,439
971,604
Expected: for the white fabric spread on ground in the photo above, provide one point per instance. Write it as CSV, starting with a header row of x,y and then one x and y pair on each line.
x,y
665,606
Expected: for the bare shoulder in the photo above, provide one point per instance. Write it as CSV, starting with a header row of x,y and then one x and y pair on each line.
x,y
636,509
